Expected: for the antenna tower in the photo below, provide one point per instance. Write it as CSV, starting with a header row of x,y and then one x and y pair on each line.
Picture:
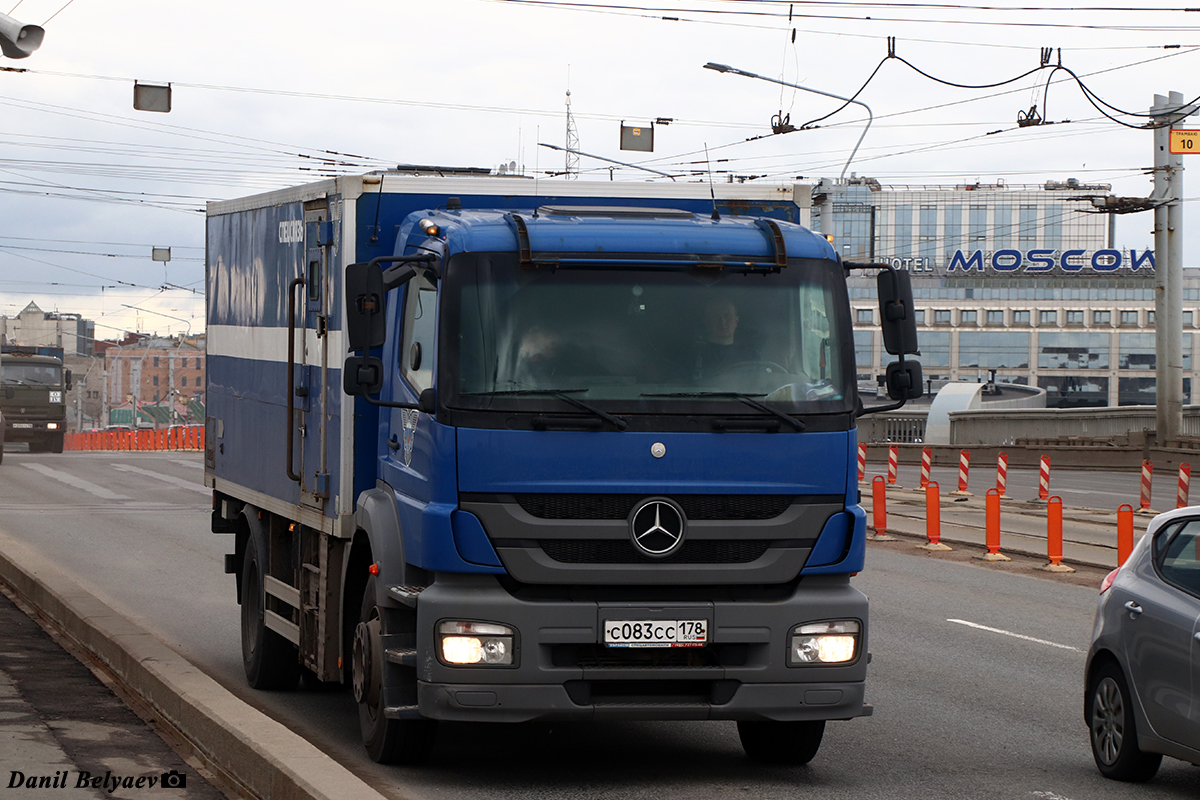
x,y
572,149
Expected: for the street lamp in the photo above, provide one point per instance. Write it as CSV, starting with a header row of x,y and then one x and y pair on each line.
x,y
870,117
17,40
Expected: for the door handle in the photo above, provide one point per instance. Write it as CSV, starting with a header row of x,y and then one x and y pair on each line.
x,y
291,377
394,443
1133,608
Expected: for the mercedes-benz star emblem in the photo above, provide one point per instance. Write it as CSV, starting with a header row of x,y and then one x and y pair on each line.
x,y
656,527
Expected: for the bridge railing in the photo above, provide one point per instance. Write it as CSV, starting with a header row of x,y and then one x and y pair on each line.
x,y
1000,428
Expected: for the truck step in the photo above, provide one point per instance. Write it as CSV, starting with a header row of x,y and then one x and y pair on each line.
x,y
407,594
402,656
402,712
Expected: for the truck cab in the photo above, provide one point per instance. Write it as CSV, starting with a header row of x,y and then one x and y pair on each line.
x,y
33,391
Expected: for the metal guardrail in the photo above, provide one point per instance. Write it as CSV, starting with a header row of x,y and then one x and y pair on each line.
x,y
903,427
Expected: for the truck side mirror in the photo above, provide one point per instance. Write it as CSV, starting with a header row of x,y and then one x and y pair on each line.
x,y
896,313
362,376
904,380
67,379
9,393
366,302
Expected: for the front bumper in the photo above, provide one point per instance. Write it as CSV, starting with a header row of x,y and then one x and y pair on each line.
x,y
23,430
562,672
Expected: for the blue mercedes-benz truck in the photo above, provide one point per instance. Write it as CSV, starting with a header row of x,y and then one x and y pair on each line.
x,y
497,451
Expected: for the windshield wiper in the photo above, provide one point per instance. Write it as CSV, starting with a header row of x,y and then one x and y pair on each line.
x,y
561,394
748,399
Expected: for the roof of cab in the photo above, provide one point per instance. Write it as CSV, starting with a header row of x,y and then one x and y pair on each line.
x,y
609,231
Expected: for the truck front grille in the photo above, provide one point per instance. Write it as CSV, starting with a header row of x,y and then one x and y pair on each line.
x,y
619,506
620,551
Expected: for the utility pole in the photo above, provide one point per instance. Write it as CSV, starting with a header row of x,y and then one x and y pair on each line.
x,y
1168,266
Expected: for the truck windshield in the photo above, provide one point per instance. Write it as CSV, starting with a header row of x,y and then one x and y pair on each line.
x,y
645,340
30,374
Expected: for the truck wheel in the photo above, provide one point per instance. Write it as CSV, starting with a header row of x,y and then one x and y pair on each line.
x,y
1114,731
770,742
270,661
36,446
388,741
56,443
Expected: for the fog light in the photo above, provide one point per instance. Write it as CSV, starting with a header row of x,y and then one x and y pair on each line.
x,y
468,643
52,426
833,642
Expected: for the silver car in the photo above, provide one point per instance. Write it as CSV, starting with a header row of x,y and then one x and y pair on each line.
x,y
1143,668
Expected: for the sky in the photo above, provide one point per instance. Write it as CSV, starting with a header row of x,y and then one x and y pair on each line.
x,y
272,94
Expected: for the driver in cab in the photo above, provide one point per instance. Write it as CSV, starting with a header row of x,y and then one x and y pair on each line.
x,y
719,348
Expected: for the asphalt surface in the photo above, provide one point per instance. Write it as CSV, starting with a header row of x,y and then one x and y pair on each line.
x,y
976,674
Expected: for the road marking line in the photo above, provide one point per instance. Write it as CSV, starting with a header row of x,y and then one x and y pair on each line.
x,y
1014,635
192,464
78,483
171,479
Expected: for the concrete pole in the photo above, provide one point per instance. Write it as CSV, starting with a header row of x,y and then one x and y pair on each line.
x,y
1168,267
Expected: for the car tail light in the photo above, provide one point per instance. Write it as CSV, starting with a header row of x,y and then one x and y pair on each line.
x,y
1108,580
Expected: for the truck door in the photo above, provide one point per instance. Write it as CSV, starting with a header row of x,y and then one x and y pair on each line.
x,y
408,463
313,396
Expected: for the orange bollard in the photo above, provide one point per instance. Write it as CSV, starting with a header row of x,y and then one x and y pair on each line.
x,y
200,441
1124,532
1054,536
992,537
933,519
879,509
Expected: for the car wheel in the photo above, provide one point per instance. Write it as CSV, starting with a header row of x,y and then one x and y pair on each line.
x,y
1114,730
791,743
388,741
270,661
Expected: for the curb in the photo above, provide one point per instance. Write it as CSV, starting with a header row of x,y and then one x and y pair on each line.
x,y
265,757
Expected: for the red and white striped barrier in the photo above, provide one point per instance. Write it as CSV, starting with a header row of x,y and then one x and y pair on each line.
x,y
964,469
862,461
1002,473
1044,479
926,464
1144,495
1185,478
893,462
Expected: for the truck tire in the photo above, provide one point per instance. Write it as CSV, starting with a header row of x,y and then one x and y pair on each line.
x,y
790,743
270,661
388,741
56,443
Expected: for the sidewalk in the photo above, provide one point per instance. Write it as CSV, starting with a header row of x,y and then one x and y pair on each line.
x,y
1089,535
61,728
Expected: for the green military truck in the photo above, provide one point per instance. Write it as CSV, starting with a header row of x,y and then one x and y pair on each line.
x,y
33,401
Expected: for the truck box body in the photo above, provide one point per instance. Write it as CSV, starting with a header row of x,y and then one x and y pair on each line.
x,y
539,479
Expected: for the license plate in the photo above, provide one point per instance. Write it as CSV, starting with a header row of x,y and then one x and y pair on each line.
x,y
22,424
656,633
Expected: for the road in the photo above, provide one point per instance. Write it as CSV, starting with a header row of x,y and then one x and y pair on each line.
x,y
961,711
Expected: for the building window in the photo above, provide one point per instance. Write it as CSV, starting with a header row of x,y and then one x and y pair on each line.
x,y
968,317
1129,319
1187,318
156,384
1149,318
952,230
1020,318
1102,318
1074,317
995,318
156,361
1003,227
902,244
1052,232
941,316
978,225
184,380
928,232
993,350
1029,227
156,395
1073,351
865,316
1047,318
184,365
919,315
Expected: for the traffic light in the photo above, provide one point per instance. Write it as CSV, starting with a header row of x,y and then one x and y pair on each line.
x,y
17,40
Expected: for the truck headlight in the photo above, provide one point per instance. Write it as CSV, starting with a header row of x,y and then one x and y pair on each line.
x,y
484,643
834,642
51,426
